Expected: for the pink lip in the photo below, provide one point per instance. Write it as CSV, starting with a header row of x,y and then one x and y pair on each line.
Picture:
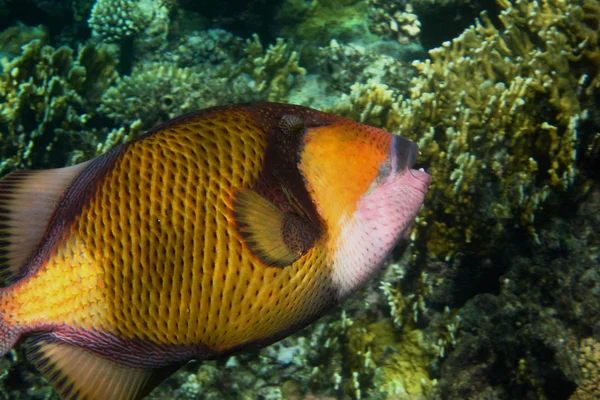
x,y
422,180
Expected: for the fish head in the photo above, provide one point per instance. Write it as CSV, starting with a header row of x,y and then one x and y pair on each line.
x,y
362,182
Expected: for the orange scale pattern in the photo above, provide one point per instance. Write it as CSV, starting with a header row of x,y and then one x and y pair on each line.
x,y
155,254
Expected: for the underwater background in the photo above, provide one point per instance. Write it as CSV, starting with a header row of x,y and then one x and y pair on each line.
x,y
498,295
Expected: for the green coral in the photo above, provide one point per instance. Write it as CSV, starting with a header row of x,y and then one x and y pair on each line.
x,y
272,71
157,92
114,20
319,21
343,65
14,37
47,98
498,116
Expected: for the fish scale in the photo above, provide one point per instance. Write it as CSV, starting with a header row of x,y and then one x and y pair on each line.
x,y
120,307
222,230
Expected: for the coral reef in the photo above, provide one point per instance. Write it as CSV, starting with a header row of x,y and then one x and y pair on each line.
x,y
156,92
12,38
388,19
589,361
272,70
345,64
498,115
209,49
115,20
46,95
501,278
319,21
518,337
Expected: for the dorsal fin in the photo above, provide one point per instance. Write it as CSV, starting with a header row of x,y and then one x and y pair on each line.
x,y
276,238
76,373
27,200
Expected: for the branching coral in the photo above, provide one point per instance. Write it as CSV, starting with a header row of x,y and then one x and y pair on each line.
x,y
367,103
272,70
373,360
47,98
12,38
498,116
389,19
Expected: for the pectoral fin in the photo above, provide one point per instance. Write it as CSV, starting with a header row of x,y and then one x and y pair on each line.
x,y
276,238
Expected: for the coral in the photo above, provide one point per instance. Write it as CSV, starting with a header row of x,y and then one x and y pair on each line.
x,y
319,21
589,362
114,20
12,38
156,92
387,19
145,22
153,37
48,97
271,71
364,359
344,65
367,103
519,327
499,115
404,374
211,48
82,10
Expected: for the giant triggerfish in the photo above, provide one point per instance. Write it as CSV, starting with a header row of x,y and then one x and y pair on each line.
x,y
222,230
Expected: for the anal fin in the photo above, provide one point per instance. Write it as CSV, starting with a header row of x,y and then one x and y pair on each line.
x,y
77,373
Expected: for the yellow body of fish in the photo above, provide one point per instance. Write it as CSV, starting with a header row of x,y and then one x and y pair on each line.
x,y
227,228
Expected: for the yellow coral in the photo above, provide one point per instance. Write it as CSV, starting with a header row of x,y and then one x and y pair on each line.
x,y
404,372
272,70
589,362
497,114
47,96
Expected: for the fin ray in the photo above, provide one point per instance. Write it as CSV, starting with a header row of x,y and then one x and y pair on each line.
x,y
27,201
77,373
261,225
276,238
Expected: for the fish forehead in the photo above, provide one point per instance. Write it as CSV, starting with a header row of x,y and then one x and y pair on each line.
x,y
158,234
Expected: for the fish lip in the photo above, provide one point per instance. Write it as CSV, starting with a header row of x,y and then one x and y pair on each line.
x,y
422,178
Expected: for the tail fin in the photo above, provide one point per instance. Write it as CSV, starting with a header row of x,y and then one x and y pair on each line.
x,y
9,332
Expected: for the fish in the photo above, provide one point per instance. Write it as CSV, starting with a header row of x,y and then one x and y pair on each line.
x,y
220,231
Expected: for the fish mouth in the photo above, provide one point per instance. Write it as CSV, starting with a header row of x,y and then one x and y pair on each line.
x,y
421,180
404,155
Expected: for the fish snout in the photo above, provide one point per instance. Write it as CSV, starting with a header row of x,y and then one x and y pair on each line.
x,y
420,179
